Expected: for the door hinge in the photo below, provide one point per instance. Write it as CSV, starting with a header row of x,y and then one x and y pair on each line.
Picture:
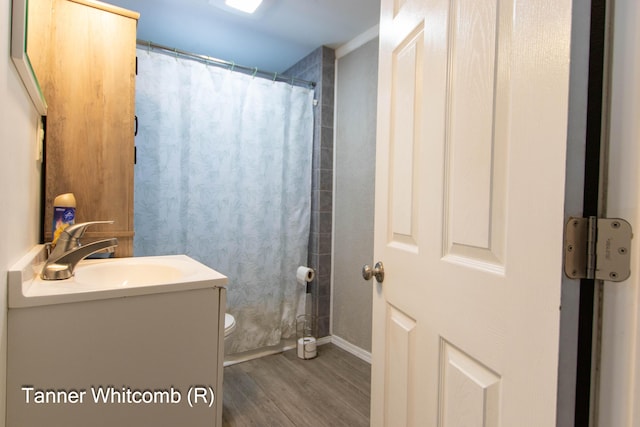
x,y
597,248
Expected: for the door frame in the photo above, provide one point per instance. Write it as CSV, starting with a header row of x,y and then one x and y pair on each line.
x,y
593,357
616,398
595,170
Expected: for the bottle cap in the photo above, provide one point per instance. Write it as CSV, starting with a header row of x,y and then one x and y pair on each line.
x,y
67,200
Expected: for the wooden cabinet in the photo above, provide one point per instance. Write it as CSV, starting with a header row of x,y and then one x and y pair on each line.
x,y
87,71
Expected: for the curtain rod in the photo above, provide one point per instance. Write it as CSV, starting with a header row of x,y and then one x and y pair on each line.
x,y
254,71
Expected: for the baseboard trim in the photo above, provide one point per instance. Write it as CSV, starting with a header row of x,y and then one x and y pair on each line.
x,y
291,344
324,340
351,348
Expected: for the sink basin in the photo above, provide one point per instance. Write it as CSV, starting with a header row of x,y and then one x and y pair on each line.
x,y
131,272
107,278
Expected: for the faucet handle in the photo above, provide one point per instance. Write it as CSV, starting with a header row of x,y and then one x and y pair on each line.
x,y
76,231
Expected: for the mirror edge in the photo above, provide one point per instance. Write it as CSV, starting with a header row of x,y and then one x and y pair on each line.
x,y
20,57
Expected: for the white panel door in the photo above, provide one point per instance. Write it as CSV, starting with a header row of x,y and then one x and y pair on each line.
x,y
470,172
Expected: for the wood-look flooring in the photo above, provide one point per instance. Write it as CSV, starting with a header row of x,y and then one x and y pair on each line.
x,y
282,390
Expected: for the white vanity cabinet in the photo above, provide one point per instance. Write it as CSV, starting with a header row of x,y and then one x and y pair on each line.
x,y
137,359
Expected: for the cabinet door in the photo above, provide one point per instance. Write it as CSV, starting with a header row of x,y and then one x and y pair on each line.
x,y
90,89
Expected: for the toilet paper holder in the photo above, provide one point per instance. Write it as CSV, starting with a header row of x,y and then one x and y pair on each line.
x,y
306,343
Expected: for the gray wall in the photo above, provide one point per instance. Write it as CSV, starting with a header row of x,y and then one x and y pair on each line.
x,y
354,165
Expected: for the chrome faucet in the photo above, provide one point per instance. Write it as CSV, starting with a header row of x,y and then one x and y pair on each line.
x,y
68,251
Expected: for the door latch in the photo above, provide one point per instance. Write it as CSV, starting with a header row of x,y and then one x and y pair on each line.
x,y
597,248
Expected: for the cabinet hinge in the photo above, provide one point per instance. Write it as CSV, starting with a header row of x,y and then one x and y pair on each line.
x,y
597,248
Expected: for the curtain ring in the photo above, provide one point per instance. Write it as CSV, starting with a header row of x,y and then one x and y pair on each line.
x,y
275,76
233,66
255,71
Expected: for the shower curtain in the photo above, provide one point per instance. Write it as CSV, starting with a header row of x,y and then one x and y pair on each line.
x,y
223,175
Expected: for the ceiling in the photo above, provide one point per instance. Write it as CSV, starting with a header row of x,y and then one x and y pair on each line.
x,y
277,36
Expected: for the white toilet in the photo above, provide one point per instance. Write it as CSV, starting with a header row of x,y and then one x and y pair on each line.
x,y
229,324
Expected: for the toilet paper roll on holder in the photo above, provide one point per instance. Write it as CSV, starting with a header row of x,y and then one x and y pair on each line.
x,y
305,275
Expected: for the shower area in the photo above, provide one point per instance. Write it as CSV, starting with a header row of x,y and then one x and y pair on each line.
x,y
233,169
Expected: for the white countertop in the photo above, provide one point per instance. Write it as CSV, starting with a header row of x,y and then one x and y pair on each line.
x,y
107,278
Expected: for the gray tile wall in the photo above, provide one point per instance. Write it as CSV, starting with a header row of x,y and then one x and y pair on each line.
x,y
319,66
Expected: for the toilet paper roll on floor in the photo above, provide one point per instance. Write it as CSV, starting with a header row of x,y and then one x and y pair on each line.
x,y
305,275
307,348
